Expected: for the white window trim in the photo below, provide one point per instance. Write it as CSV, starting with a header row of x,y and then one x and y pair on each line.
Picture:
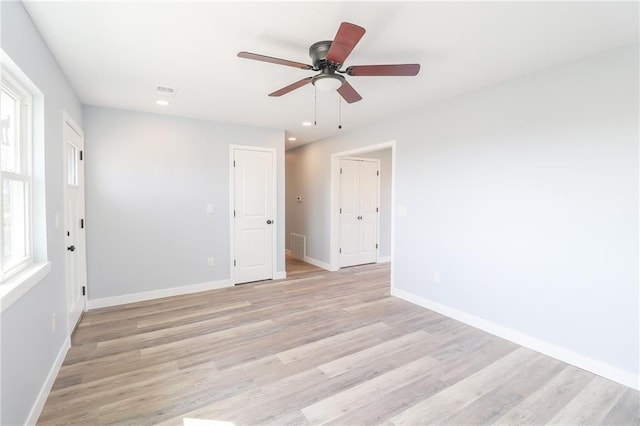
x,y
16,284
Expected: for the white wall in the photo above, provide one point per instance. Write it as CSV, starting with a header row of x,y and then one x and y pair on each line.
x,y
29,347
149,179
524,197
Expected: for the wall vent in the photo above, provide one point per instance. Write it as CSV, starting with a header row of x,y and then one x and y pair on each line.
x,y
298,244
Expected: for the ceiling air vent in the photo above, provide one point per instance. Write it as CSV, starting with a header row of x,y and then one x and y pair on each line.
x,y
165,95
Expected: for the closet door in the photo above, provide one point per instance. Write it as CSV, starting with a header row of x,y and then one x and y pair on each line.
x,y
368,212
349,212
358,212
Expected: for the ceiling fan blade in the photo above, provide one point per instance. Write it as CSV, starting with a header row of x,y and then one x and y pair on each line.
x,y
291,87
278,61
348,93
346,38
383,70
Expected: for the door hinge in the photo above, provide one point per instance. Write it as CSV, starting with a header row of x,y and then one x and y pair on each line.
x,y
81,223
340,250
84,290
376,210
81,155
340,170
234,262
376,245
378,173
234,213
340,210
234,163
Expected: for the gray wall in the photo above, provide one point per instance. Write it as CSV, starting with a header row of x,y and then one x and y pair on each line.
x,y
28,346
149,179
523,196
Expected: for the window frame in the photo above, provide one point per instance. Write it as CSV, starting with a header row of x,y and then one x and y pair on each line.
x,y
24,138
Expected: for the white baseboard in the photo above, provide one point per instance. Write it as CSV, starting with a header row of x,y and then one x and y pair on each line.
x,y
384,259
317,263
596,367
36,410
156,294
280,275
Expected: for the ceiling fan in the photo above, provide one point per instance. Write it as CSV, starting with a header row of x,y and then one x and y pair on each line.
x,y
328,58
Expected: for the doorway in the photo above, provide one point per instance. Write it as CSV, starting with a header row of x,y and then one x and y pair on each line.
x,y
386,201
253,214
74,222
386,213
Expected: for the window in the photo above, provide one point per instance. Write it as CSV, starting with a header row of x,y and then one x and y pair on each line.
x,y
15,178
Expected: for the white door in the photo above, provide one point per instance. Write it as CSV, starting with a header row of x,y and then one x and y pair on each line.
x,y
359,194
349,212
74,226
369,194
254,220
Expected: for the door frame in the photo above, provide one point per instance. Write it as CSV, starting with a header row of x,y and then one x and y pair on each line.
x,y
67,120
334,220
232,223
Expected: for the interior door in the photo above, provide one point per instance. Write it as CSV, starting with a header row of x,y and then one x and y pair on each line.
x,y
75,257
359,193
254,226
349,212
369,194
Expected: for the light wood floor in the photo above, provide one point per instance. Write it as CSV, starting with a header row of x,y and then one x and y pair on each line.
x,y
317,348
296,266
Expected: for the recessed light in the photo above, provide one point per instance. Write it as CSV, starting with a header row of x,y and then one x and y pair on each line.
x,y
292,139
162,103
306,123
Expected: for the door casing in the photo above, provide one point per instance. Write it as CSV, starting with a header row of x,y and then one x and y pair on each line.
x,y
78,239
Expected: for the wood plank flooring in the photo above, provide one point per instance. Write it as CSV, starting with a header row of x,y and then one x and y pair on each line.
x,y
317,348
296,266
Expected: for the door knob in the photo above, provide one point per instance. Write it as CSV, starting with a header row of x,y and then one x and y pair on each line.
x,y
269,221
71,248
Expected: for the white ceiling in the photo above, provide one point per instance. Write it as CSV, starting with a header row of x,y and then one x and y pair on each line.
x,y
115,54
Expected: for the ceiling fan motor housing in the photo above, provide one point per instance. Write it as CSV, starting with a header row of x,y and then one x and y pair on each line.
x,y
318,53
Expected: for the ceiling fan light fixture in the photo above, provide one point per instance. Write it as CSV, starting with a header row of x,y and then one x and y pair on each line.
x,y
328,82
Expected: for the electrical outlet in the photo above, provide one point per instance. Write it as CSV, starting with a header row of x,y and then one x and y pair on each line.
x,y
209,208
210,261
436,277
53,322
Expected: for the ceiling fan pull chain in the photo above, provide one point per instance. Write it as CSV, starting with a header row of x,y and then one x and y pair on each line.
x,y
339,112
315,106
